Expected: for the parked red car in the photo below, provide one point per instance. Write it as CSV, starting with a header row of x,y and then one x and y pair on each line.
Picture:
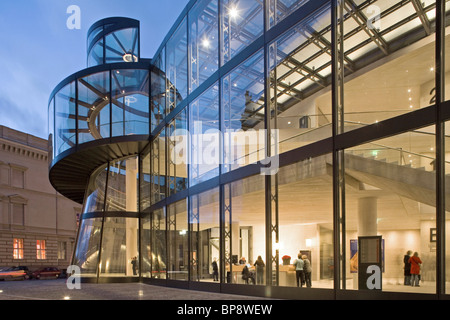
x,y
49,272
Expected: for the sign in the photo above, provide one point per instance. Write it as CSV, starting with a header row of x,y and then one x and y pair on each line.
x,y
370,263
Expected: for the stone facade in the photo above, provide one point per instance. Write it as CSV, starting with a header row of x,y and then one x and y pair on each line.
x,y
30,208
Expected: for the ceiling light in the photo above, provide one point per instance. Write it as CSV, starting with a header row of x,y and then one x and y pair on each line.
x,y
233,12
128,57
205,43
431,69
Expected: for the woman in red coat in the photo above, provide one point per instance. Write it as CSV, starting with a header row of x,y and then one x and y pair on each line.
x,y
415,269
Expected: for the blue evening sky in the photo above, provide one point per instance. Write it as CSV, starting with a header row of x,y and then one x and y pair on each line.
x,y
37,50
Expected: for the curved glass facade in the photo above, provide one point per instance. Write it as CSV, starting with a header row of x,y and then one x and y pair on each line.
x,y
276,129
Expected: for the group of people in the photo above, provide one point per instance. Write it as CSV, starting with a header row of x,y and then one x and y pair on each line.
x,y
412,265
303,270
248,275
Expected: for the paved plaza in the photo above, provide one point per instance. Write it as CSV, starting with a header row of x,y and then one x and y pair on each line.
x,y
57,290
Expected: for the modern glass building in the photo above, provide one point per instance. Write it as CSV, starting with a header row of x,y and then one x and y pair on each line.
x,y
263,128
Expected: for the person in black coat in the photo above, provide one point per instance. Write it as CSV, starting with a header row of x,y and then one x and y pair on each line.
x,y
215,270
407,268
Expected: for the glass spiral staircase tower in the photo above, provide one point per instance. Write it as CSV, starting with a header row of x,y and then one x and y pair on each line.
x,y
98,125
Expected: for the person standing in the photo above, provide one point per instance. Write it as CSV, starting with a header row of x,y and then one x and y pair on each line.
x,y
407,268
134,265
259,266
215,270
307,270
299,274
415,269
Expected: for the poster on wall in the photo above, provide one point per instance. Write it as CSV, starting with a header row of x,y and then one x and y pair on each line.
x,y
354,255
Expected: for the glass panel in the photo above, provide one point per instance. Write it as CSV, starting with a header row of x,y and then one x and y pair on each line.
x,y
205,241
146,252
390,192
122,46
95,194
205,136
300,71
203,41
87,248
305,210
145,182
158,168
123,184
130,104
158,90
245,235
65,127
158,244
93,107
242,23
243,113
177,150
95,56
277,10
390,84
178,246
120,247
176,67
51,129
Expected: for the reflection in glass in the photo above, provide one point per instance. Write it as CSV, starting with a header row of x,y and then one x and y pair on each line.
x,y
242,23
130,104
300,69
95,195
87,248
65,116
277,10
158,168
203,41
93,107
178,153
158,244
119,256
176,67
122,46
204,136
123,183
243,113
158,90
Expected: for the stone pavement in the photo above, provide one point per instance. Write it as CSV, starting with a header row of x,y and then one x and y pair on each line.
x,y
57,290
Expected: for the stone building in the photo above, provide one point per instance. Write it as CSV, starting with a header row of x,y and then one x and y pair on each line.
x,y
37,224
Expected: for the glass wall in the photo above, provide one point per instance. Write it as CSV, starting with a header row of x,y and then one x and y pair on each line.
x,y
244,226
205,236
88,247
300,71
242,23
398,83
305,214
93,107
178,244
204,131
203,41
119,251
65,119
243,111
177,154
176,67
390,192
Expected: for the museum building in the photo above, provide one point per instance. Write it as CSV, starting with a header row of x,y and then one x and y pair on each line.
x,y
263,130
